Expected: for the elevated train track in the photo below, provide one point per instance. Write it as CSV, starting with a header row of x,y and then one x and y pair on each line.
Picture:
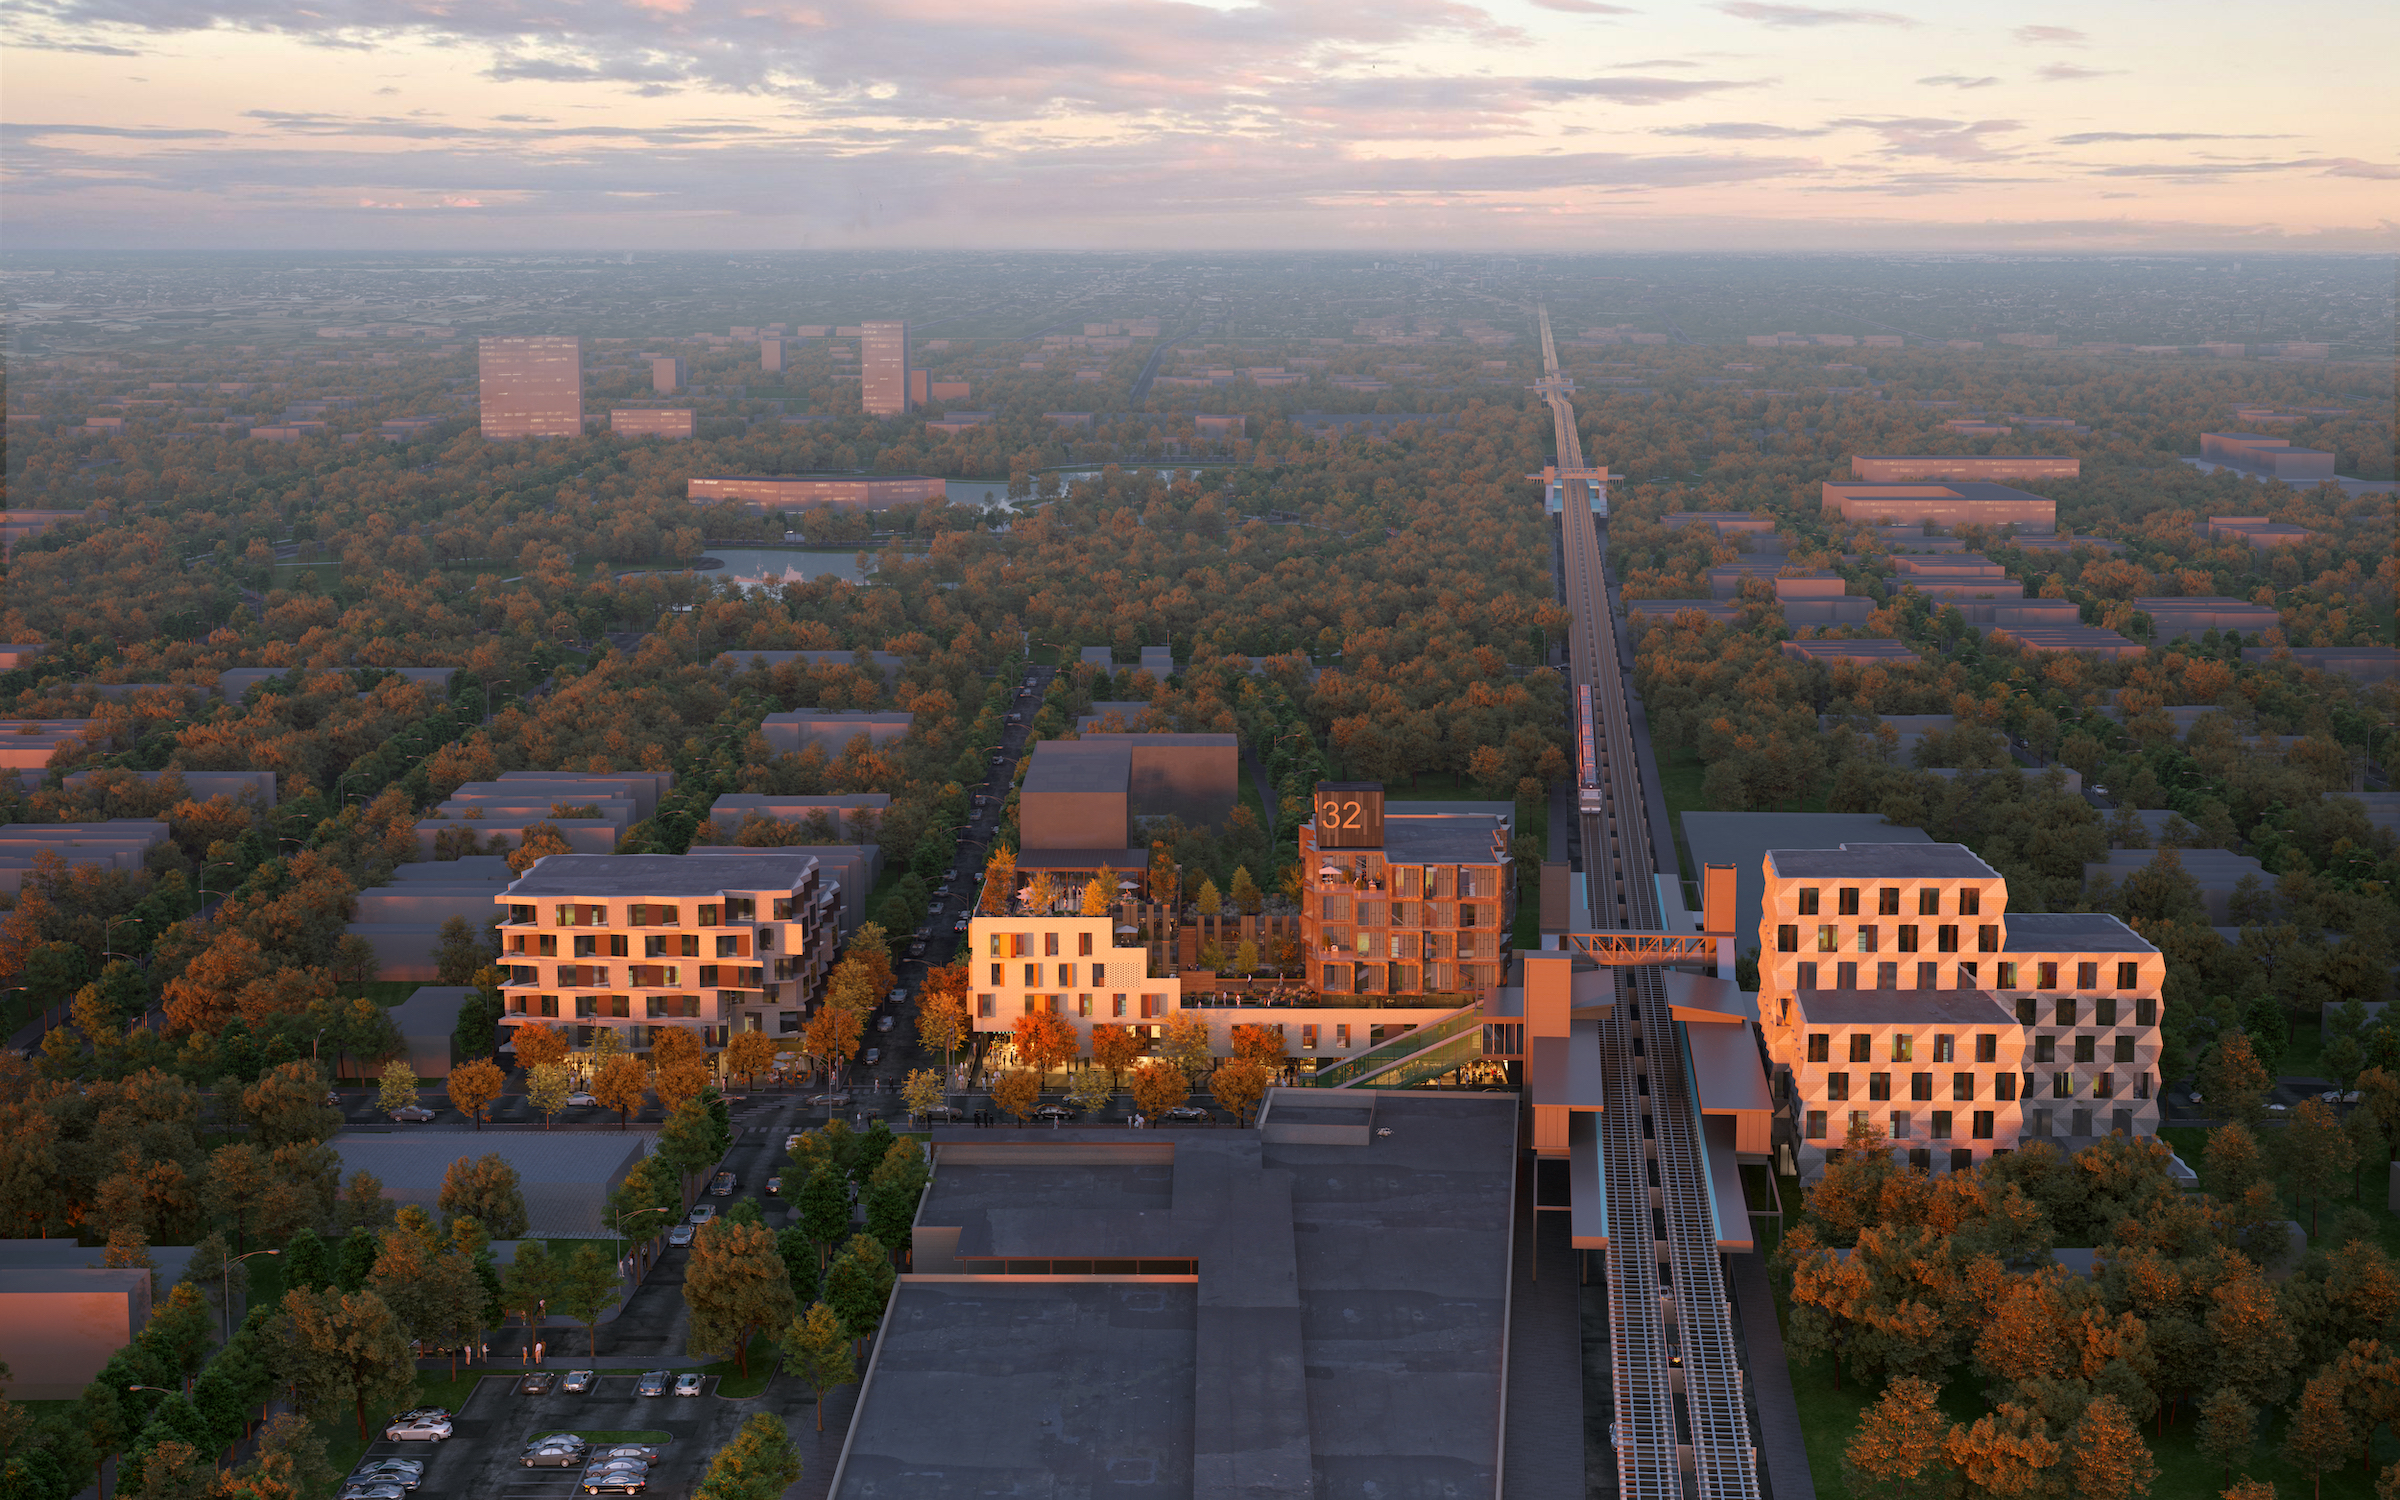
x,y
1682,1430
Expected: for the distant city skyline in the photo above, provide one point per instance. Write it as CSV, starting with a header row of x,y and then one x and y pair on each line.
x,y
1532,125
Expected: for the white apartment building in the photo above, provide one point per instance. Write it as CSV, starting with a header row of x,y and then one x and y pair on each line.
x,y
1895,988
634,942
1069,966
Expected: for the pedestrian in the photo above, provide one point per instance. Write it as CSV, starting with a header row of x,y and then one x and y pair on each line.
x,y
538,1349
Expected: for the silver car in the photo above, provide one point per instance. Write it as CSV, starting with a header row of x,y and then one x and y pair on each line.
x,y
418,1429
687,1385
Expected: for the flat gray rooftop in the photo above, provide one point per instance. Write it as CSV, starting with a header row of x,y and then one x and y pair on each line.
x,y
1904,1008
1742,840
1343,1337
1879,861
587,875
565,1177
2074,931
1461,839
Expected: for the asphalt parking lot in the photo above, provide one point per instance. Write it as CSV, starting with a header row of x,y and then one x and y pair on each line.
x,y
482,1459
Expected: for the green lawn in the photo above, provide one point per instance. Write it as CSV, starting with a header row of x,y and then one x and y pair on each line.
x,y
1679,777
384,992
731,1382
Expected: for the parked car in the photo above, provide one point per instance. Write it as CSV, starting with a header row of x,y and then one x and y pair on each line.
x,y
1054,1112
554,1456
883,1023
652,1383
640,1453
2336,1096
831,1101
537,1382
627,1481
372,1489
404,1472
942,1112
703,1212
680,1235
426,1429
960,925
687,1385
724,1184
407,1114
1187,1112
580,1100
872,1056
578,1381
775,1187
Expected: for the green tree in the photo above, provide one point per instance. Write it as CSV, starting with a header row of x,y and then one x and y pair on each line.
x,y
817,1350
547,1088
733,1286
825,1207
2319,1438
397,1089
306,1262
759,1464
215,1271
858,1283
799,1255
456,1302
2234,1083
687,1143
588,1285
459,953
2228,1429
485,1189
346,1349
180,1331
531,1281
2318,1158
288,1104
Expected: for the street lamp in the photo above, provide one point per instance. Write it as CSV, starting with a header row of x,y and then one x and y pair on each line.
x,y
225,1308
107,934
636,1213
222,864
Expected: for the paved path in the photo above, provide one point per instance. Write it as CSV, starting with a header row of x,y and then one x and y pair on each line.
x,y
1542,1446
1781,1446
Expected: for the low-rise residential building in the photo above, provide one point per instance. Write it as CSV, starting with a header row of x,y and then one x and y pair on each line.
x,y
634,942
1896,991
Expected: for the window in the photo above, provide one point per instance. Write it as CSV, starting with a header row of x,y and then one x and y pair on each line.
x,y
1787,938
2123,1050
1099,973
1820,1047
997,971
1066,974
1807,976
1867,934
1845,976
1828,939
1987,939
1927,974
1034,1005
1962,1085
2045,976
1083,944
2045,1049
2141,1085
2129,976
2065,1011
1083,1005
1308,1038
2083,1048
2024,1010
1808,901
1033,974
1847,905
987,1005
1049,945
1116,1005
1862,1048
1887,976
2145,1011
1879,1086
2062,1085
1970,903
2087,976
1945,938
1920,1085
2104,1011
1983,1124
2004,1087
1837,1086
1966,976
1929,902
1904,1047
1941,1125
2103,1085
705,916
1816,1125
1908,939
1899,1124
1987,1046
1153,1005
1858,1121
2008,976
2041,1123
1887,901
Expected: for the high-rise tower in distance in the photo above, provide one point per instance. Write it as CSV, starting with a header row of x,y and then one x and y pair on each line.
x,y
883,351
531,386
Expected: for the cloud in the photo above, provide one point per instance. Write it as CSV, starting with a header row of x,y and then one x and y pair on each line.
x,y
1947,140
2204,171
2098,137
17,129
2070,73
1808,15
2050,36
454,202
1959,81
1584,7
1739,130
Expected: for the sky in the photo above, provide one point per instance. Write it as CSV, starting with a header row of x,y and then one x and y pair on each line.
x,y
1523,125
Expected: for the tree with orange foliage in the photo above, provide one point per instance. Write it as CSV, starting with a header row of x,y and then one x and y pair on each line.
x,y
474,1085
536,1045
622,1083
1017,1091
1897,1449
1259,1043
1239,1085
1116,1048
1044,1041
1158,1087
832,1035
748,1053
678,1083
942,1019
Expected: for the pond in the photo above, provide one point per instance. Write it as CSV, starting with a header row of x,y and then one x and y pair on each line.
x,y
765,565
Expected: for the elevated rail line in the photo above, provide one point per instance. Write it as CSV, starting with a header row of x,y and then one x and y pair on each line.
x,y
1677,1377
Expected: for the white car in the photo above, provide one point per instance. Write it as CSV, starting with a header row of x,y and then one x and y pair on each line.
x,y
702,1213
687,1385
411,1114
580,1100
680,1235
883,1023
418,1429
